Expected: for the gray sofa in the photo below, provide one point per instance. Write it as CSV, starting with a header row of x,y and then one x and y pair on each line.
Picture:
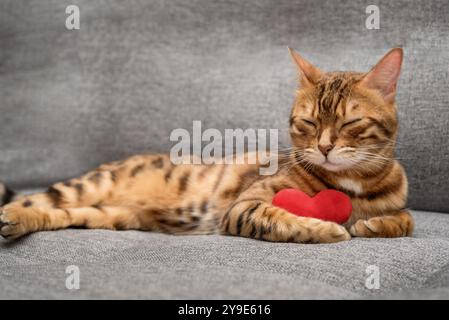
x,y
136,70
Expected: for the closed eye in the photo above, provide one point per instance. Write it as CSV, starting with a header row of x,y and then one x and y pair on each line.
x,y
351,122
309,122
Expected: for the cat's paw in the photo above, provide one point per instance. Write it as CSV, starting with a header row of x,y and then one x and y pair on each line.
x,y
383,227
14,222
330,232
338,233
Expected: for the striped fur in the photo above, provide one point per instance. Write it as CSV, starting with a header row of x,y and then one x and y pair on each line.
x,y
343,127
6,195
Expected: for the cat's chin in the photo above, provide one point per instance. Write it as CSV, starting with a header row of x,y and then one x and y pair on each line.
x,y
329,166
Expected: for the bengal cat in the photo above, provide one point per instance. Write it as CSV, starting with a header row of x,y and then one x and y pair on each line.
x,y
343,128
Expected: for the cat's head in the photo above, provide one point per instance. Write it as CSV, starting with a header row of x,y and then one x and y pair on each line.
x,y
346,120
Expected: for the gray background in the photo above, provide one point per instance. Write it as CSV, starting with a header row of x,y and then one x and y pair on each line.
x,y
136,70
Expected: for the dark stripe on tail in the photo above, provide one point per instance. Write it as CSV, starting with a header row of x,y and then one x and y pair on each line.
x,y
7,196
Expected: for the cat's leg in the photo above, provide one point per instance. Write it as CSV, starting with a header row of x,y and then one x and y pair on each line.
x,y
16,220
48,210
90,189
400,224
110,186
252,215
100,186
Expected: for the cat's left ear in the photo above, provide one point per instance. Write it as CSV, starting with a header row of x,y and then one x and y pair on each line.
x,y
385,74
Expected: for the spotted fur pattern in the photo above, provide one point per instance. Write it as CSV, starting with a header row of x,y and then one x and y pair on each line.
x,y
148,192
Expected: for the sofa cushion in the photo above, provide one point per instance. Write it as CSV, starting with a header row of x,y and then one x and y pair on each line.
x,y
132,264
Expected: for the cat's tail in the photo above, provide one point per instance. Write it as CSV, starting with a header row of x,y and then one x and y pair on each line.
x,y
6,194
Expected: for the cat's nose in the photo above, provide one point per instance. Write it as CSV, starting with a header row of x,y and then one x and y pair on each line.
x,y
325,149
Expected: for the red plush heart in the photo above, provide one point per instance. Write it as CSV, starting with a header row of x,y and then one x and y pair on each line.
x,y
328,205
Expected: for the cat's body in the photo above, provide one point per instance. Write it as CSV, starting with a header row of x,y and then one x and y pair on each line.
x,y
336,117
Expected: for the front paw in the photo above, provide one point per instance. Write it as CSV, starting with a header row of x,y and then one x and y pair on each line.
x,y
329,232
14,222
339,234
378,227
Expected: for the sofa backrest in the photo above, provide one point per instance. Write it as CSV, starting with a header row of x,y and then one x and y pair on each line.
x,y
136,70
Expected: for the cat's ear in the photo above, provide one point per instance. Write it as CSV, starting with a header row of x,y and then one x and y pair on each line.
x,y
308,73
384,76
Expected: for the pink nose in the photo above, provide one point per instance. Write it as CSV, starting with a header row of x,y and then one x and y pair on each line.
x,y
325,149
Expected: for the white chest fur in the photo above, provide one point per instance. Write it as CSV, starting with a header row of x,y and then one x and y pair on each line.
x,y
351,185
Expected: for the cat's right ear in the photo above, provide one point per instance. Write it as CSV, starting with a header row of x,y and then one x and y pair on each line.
x,y
308,73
